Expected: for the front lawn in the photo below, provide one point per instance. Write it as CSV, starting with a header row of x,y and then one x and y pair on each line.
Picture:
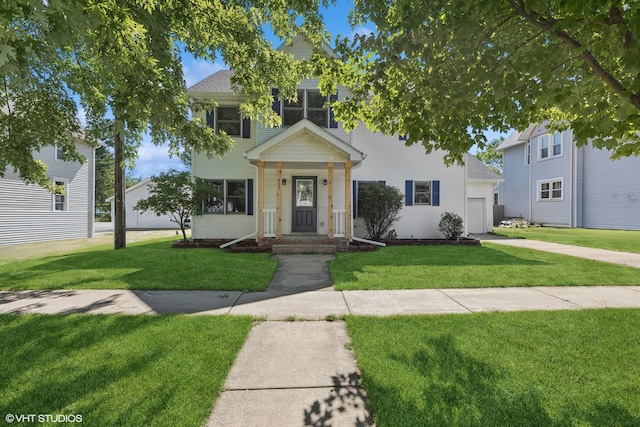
x,y
489,265
615,240
143,266
117,370
563,368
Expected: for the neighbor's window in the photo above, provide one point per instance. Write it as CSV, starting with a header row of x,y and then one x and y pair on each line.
x,y
60,196
226,197
550,189
550,146
422,193
59,153
544,147
527,153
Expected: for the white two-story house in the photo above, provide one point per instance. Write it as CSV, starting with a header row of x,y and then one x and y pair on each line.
x,y
550,181
304,176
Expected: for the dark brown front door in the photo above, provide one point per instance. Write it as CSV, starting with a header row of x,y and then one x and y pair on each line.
x,y
304,204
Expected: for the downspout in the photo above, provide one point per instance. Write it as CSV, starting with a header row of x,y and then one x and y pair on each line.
x,y
573,220
466,183
530,183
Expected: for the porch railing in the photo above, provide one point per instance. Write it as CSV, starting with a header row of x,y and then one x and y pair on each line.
x,y
339,222
269,223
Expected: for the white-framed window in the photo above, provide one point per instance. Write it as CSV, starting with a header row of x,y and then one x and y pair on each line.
x,y
60,194
550,146
422,192
228,196
550,189
59,153
311,105
527,153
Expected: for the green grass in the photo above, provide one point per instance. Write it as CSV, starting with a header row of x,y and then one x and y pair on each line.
x,y
501,369
117,370
489,265
615,240
146,265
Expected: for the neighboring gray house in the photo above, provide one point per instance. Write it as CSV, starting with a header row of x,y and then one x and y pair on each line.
x,y
550,181
29,213
137,220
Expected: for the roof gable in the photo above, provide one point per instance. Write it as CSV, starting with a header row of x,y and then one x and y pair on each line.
x,y
305,142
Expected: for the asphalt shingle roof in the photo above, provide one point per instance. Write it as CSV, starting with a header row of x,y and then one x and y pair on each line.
x,y
219,82
478,170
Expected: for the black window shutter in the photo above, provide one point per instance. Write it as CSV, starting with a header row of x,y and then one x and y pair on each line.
x,y
211,119
276,101
402,137
383,182
435,193
246,127
332,121
249,196
408,193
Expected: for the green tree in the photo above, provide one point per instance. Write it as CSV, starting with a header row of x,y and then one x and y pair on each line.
x,y
175,194
490,155
104,178
122,59
379,205
442,72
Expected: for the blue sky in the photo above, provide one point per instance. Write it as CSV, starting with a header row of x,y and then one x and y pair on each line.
x,y
155,159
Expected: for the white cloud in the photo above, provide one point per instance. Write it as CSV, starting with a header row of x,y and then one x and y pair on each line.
x,y
198,69
82,116
154,159
360,31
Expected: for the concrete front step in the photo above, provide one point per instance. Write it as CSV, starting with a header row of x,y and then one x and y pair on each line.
x,y
302,248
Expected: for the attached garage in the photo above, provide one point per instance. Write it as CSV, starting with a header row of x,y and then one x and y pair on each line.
x,y
476,215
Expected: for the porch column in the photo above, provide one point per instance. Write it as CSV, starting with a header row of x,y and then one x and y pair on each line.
x,y
260,199
279,201
347,200
330,190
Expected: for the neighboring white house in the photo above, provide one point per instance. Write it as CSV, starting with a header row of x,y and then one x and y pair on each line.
x,y
137,220
550,181
29,213
303,177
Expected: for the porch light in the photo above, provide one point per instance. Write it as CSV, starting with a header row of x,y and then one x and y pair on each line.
x,y
284,181
324,181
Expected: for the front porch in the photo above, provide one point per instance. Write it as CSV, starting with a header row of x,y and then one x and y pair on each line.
x,y
303,185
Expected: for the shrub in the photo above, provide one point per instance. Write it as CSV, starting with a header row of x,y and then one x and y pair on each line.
x,y
378,206
451,225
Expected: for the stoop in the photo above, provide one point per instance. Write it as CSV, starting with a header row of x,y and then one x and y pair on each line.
x,y
302,248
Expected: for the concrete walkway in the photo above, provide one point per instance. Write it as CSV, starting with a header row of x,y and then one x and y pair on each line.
x,y
614,257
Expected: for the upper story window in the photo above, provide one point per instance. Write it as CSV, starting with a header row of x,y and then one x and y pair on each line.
x,y
311,105
550,146
527,153
59,153
229,120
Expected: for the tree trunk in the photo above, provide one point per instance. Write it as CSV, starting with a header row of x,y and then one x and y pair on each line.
x,y
119,225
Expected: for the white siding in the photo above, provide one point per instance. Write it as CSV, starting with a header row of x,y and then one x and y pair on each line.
x,y
611,191
390,160
144,220
26,211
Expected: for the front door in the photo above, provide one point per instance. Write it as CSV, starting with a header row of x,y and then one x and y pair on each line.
x,y
304,204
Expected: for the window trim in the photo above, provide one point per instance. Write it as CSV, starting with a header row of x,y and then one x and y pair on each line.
x,y
212,119
238,121
225,197
550,182
57,149
415,193
551,138
304,101
64,183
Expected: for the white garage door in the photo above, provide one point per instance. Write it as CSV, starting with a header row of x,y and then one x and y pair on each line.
x,y
476,215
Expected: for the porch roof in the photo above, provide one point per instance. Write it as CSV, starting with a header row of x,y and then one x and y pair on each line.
x,y
307,143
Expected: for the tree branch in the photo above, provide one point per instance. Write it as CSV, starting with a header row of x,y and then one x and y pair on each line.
x,y
549,25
